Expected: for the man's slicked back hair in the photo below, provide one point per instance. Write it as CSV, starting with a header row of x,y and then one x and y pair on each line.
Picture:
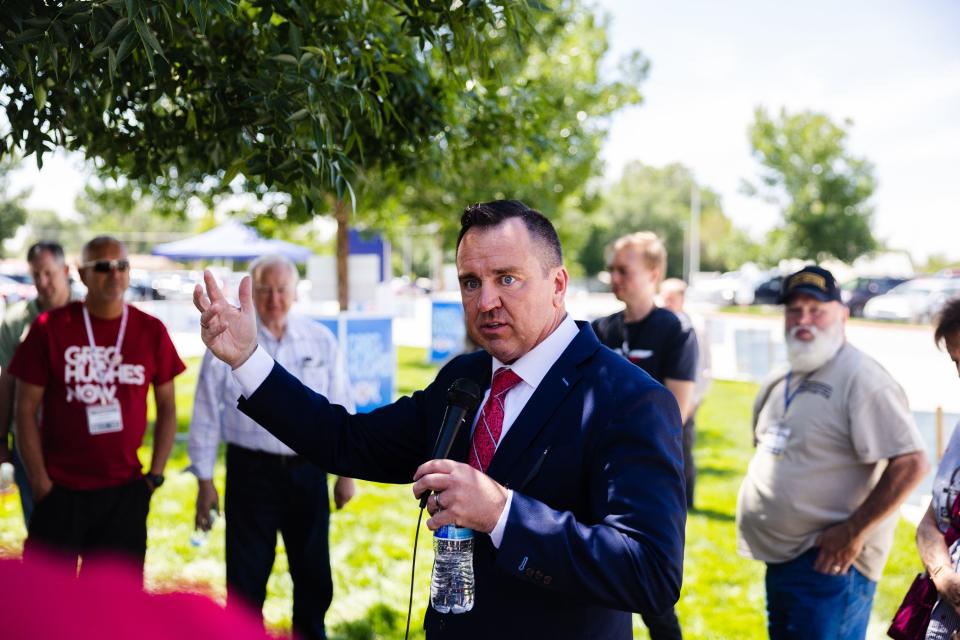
x,y
948,321
491,214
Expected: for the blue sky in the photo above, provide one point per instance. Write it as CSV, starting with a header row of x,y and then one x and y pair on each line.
x,y
893,68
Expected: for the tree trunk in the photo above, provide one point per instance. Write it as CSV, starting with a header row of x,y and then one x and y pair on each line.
x,y
341,213
438,283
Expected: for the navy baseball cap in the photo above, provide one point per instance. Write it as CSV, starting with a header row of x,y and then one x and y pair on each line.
x,y
812,281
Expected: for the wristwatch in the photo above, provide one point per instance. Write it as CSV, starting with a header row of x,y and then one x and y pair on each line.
x,y
156,479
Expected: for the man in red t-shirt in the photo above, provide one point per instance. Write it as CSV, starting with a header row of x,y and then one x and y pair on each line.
x,y
83,372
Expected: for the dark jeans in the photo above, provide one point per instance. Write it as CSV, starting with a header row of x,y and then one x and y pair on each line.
x,y
664,626
111,521
23,485
805,604
265,494
689,466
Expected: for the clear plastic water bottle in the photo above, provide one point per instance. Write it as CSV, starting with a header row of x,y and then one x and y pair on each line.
x,y
451,585
6,478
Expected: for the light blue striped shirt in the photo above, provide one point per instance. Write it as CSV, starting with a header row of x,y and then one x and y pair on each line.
x,y
308,350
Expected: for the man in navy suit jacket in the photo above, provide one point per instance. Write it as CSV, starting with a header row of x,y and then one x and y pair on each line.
x,y
583,501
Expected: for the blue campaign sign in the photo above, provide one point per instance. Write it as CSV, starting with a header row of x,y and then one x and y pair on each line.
x,y
447,331
370,361
367,343
333,325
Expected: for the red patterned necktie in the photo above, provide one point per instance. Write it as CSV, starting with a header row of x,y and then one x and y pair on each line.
x,y
490,425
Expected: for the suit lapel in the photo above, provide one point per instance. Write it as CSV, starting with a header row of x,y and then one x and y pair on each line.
x,y
553,390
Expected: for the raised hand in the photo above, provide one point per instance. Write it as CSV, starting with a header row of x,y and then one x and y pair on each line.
x,y
229,332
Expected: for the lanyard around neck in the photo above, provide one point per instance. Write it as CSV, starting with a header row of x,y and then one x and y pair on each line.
x,y
789,397
98,368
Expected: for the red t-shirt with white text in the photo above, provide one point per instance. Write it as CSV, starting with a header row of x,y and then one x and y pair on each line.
x,y
56,355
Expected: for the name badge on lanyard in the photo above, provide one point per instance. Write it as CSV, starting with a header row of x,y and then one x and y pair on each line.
x,y
775,438
104,417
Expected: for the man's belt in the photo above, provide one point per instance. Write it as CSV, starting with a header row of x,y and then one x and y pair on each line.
x,y
278,459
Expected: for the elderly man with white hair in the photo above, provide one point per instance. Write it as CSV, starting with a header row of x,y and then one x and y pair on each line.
x,y
268,487
837,451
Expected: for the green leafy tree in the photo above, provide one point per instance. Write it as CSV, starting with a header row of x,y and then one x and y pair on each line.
x,y
409,109
206,96
821,188
532,133
289,94
46,224
307,233
657,199
940,262
130,212
12,212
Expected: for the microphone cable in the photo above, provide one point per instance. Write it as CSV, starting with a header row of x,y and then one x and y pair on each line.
x,y
413,569
463,396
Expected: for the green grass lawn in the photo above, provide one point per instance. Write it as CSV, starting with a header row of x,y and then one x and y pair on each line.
x,y
371,539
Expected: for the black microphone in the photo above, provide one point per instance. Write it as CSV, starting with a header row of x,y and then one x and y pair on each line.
x,y
463,396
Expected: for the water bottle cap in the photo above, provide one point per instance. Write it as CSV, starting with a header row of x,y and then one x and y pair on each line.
x,y
453,532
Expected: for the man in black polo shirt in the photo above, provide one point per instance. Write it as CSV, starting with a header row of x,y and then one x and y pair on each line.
x,y
652,338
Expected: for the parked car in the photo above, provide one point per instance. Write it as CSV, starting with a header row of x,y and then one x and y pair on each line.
x,y
13,289
768,291
22,278
141,287
176,285
858,291
916,300
732,287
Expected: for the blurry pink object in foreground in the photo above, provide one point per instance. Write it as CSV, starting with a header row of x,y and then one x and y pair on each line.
x,y
43,599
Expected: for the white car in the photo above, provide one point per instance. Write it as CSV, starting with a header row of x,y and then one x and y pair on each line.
x,y
732,287
916,300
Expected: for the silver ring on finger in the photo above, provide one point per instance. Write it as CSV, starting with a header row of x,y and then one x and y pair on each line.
x,y
436,501
836,568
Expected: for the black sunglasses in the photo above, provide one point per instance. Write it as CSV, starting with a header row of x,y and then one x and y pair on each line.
x,y
106,266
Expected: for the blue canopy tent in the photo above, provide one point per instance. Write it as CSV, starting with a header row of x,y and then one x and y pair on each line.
x,y
230,241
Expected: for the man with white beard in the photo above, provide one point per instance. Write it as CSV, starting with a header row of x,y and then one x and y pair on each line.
x,y
837,451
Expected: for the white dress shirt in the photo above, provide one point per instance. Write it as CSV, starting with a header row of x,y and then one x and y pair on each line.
x,y
308,350
532,367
